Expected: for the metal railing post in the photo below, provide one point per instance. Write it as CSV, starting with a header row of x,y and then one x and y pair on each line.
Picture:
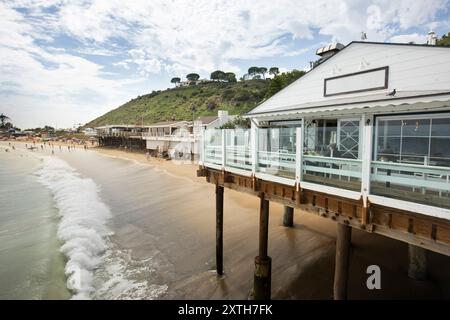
x,y
367,125
298,153
254,146
224,148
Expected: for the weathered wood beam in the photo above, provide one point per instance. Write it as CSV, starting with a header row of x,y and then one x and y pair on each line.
x,y
263,263
341,271
288,216
219,229
417,267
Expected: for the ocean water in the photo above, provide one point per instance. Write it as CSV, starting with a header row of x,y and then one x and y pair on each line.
x,y
57,237
32,267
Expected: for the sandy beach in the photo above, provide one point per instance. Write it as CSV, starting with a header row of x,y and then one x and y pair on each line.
x,y
174,216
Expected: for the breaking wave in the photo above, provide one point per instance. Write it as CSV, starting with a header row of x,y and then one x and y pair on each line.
x,y
83,226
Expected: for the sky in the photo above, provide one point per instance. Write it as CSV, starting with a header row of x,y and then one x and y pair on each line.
x,y
65,62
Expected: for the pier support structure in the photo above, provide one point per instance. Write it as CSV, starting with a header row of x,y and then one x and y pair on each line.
x,y
417,268
341,271
288,216
263,263
219,229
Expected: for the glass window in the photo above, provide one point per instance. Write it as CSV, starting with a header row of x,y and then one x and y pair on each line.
x,y
416,141
348,145
440,127
440,151
323,139
416,127
389,128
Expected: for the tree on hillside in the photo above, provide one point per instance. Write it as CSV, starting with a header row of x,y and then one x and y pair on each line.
x,y
230,77
274,71
175,81
283,80
218,75
444,41
275,85
3,119
193,77
262,71
253,71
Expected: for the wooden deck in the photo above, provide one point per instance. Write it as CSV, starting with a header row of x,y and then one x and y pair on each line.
x,y
420,230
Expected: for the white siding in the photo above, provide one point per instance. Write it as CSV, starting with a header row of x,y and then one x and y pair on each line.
x,y
411,68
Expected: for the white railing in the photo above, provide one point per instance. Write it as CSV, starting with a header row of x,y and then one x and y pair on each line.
x,y
338,172
339,167
213,154
277,163
239,157
252,153
411,177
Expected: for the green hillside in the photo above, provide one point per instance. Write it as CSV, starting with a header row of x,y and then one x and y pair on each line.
x,y
186,103
445,40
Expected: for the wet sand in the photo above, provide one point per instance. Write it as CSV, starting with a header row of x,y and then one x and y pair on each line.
x,y
168,213
302,257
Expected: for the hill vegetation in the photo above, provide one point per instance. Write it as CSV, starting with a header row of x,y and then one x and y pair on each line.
x,y
445,40
190,102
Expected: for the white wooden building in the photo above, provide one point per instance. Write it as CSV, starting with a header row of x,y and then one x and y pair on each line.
x,y
362,139
374,122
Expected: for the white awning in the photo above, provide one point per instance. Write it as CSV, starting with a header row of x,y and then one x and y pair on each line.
x,y
402,101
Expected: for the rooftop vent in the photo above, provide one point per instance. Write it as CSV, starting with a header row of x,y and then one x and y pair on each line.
x,y
329,50
431,38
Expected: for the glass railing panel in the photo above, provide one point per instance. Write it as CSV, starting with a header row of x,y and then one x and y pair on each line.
x,y
237,151
213,146
335,172
276,152
428,185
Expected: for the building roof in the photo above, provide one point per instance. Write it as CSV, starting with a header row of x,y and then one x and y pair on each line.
x,y
415,71
175,123
207,119
120,126
401,97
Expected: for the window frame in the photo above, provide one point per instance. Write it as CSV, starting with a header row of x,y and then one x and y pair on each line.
x,y
401,117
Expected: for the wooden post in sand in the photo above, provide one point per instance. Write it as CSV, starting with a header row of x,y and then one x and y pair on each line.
x,y
219,229
263,263
341,270
417,268
288,216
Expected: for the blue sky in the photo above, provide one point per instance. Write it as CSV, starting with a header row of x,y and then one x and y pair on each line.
x,y
64,63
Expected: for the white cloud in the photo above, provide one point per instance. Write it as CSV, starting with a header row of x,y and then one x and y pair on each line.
x,y
175,37
407,38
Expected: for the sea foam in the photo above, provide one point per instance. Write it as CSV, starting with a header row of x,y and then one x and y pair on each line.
x,y
83,226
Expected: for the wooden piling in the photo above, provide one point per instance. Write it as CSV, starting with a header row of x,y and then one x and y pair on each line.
x,y
219,229
263,263
417,268
288,216
341,271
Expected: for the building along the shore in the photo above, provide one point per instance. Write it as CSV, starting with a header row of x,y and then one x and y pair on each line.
x,y
181,139
362,139
122,136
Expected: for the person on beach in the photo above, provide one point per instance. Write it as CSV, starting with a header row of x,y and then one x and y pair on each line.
x,y
13,148
60,148
42,147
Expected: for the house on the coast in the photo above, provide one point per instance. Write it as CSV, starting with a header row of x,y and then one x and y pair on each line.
x,y
124,136
180,139
362,139
122,130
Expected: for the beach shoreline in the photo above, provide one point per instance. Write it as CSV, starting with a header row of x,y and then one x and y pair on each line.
x,y
303,256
